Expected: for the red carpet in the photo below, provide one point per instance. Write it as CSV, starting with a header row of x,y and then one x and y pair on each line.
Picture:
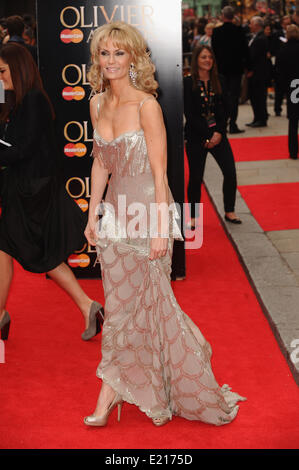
x,y
260,148
279,209
48,382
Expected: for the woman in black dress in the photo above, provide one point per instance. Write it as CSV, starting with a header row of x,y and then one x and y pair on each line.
x,y
205,131
40,225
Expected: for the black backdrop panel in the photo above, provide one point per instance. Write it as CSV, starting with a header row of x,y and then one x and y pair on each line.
x,y
65,29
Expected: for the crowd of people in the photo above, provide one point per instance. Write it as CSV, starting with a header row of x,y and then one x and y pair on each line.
x,y
255,59
249,57
19,29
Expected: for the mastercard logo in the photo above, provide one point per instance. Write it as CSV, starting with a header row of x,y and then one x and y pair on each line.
x,y
73,93
81,261
71,35
75,150
83,204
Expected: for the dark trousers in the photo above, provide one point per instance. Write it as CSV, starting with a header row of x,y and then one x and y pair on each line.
x,y
278,98
232,85
293,137
257,92
223,155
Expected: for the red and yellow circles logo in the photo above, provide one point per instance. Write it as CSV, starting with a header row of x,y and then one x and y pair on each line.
x,y
81,261
71,35
75,150
73,93
83,204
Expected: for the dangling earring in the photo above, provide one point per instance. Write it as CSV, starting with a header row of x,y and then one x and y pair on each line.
x,y
133,74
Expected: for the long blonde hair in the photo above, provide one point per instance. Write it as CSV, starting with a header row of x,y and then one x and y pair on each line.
x,y
126,37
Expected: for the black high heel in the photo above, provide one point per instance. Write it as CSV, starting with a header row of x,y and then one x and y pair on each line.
x,y
5,325
96,319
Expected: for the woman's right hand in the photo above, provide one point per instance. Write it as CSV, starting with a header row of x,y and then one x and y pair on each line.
x,y
158,247
215,140
90,232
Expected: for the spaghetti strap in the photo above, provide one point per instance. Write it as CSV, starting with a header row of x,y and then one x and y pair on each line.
x,y
144,100
98,105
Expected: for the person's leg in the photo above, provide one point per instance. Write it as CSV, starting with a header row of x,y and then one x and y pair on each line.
x,y
196,155
235,88
65,278
224,156
6,275
293,138
260,99
252,97
264,111
278,99
225,81
105,397
244,89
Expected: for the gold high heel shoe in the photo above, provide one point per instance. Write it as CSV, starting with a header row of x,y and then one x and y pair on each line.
x,y
102,420
160,421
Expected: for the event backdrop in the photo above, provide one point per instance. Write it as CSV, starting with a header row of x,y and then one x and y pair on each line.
x,y
65,29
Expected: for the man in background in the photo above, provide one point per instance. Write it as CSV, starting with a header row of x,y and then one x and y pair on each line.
x,y
280,40
258,78
15,29
232,56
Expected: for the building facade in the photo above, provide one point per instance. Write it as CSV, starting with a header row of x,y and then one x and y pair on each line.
x,y
204,7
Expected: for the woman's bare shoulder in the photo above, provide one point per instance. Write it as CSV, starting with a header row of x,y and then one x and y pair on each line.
x,y
150,111
143,99
148,101
138,96
93,103
94,100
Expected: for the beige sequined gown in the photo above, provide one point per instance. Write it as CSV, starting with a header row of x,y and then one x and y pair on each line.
x,y
153,355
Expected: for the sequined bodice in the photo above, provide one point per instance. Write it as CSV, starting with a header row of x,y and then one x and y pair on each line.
x,y
126,155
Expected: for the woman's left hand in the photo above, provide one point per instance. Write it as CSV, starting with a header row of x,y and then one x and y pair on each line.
x,y
159,247
215,140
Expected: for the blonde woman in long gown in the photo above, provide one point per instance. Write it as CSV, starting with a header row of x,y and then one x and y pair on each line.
x,y
153,355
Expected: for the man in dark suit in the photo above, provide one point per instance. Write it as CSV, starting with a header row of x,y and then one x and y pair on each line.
x,y
15,28
287,67
259,76
279,41
232,56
